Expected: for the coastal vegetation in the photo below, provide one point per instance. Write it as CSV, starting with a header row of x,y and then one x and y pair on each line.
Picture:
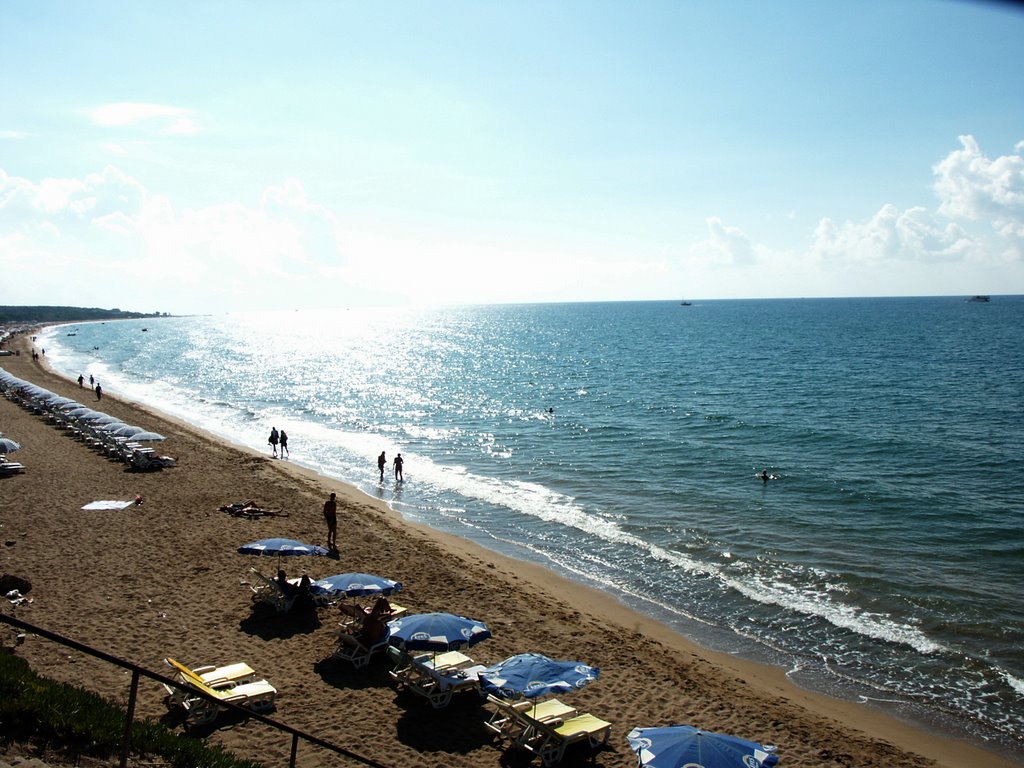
x,y
47,314
60,718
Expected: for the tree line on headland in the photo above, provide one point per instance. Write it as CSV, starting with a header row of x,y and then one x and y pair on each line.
x,y
31,315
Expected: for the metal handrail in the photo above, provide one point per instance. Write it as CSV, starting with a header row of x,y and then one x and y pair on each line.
x,y
138,671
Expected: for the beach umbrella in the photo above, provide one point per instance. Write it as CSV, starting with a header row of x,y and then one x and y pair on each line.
x,y
677,746
55,400
127,430
530,675
354,585
9,446
112,426
145,436
436,632
101,419
281,548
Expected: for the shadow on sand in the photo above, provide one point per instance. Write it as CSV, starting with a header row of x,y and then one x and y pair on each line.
x,y
268,624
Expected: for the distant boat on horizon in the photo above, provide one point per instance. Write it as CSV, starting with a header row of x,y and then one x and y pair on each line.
x,y
685,303
980,299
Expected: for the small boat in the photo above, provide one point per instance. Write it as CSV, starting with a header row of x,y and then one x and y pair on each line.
x,y
980,299
685,303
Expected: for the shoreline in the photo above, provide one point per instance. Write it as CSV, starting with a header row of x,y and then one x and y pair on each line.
x,y
731,694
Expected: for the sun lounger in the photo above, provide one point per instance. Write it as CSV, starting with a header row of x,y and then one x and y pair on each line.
x,y
351,648
215,677
507,721
9,468
435,677
268,591
146,460
548,740
256,695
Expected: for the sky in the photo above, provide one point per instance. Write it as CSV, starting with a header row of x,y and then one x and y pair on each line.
x,y
198,157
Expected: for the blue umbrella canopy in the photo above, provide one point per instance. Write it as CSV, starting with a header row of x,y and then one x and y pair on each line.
x,y
676,746
531,675
354,585
281,548
9,446
436,632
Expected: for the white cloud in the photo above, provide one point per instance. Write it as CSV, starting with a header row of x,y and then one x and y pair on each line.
x,y
169,120
14,135
891,235
979,223
107,237
725,246
973,187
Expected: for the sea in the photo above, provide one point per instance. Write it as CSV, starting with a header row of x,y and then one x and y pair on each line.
x,y
623,445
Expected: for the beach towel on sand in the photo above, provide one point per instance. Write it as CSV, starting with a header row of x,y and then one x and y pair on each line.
x,y
108,504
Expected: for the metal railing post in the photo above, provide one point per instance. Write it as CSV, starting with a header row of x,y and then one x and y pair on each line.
x,y
128,718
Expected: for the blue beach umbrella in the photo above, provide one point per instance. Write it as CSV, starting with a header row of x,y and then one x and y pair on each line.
x,y
282,548
677,746
9,446
436,632
354,585
531,675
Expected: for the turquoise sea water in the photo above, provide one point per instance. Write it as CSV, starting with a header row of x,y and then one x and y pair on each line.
x,y
619,444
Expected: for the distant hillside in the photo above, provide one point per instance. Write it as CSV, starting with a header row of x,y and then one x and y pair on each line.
x,y
31,315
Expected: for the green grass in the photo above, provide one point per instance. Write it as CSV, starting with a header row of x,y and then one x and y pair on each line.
x,y
60,716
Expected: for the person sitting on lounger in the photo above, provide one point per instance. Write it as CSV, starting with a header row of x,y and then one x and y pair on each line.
x,y
375,627
286,587
382,607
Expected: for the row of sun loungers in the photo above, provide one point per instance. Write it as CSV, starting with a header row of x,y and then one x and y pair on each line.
x,y
83,424
545,729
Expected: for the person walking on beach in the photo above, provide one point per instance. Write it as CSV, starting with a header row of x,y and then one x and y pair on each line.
x,y
81,381
274,437
99,391
284,444
398,467
381,463
92,382
331,516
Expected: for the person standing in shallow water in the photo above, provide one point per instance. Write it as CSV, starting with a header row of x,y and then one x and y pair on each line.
x,y
274,437
381,463
398,467
284,444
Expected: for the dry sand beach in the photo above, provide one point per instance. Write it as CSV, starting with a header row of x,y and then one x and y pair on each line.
x,y
164,579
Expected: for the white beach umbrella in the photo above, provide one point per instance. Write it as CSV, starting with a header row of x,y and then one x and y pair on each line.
x,y
143,437
127,430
